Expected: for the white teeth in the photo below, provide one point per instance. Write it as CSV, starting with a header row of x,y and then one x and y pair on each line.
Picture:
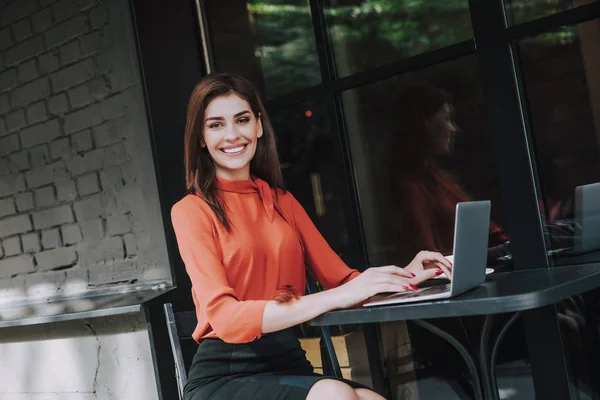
x,y
234,149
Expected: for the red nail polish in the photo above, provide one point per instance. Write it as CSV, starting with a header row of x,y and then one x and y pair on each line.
x,y
405,288
413,274
415,287
439,272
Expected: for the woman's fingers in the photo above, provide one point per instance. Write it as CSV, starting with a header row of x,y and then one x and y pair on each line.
x,y
393,269
436,257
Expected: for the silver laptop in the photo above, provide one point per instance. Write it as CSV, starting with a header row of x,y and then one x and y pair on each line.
x,y
471,234
587,217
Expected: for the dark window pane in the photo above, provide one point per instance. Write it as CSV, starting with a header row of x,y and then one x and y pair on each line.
x,y
313,172
562,86
420,144
368,33
270,42
519,11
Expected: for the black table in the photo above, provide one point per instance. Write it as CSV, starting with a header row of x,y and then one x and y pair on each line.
x,y
508,292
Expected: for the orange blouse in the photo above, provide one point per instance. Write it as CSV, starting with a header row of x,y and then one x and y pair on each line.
x,y
234,274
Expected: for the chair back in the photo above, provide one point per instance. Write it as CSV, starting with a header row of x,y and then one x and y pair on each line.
x,y
180,326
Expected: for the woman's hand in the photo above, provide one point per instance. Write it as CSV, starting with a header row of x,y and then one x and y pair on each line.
x,y
427,265
374,280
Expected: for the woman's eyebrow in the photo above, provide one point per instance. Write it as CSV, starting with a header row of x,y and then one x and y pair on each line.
x,y
222,118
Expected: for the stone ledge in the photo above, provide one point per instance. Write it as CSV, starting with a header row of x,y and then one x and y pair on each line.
x,y
93,303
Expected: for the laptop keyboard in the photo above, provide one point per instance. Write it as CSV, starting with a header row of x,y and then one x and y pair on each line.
x,y
425,291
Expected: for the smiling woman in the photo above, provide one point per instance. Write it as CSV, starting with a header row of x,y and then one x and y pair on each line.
x,y
247,245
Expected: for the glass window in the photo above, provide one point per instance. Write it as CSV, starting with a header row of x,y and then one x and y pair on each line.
x,y
420,144
561,81
270,42
519,11
313,171
368,33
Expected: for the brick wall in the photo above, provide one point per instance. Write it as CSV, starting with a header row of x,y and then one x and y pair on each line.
x,y
78,195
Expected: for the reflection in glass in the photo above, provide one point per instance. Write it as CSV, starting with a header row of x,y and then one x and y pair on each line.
x,y
562,87
519,11
312,170
367,33
271,42
414,165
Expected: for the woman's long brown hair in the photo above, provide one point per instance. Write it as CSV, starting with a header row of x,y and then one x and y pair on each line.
x,y
200,171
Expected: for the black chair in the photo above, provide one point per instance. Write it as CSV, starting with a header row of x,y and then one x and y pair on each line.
x,y
181,325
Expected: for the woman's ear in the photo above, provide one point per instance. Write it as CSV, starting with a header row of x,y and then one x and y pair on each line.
x,y
259,132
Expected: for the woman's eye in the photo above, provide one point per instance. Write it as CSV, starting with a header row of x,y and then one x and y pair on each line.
x,y
214,125
243,120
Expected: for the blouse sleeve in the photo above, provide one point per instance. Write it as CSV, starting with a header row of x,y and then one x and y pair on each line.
x,y
234,321
322,262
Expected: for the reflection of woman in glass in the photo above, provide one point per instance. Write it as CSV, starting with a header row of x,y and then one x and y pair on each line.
x,y
247,245
424,195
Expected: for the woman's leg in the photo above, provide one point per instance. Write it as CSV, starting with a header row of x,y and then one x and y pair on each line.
x,y
366,394
332,389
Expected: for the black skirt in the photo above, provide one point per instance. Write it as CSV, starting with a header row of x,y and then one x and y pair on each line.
x,y
273,367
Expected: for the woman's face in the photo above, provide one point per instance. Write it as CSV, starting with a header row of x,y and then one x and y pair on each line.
x,y
231,133
443,130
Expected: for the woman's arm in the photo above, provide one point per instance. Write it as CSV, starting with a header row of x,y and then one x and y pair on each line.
x,y
278,316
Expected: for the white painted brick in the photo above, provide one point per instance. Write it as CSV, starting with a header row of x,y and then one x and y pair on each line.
x,y
80,96
71,234
12,246
9,144
120,103
51,239
24,201
131,248
15,120
41,133
31,242
3,129
45,196
82,141
7,207
67,30
12,184
70,52
39,156
80,164
5,39
58,104
111,132
8,79
88,184
65,189
99,88
109,249
95,206
1,253
94,42
114,271
112,178
21,29
52,217
93,230
41,20
45,175
56,258
64,9
98,16
59,148
4,103
31,92
73,75
19,161
118,224
15,225
49,62
36,113
115,154
27,49
10,266
28,70
16,10
84,118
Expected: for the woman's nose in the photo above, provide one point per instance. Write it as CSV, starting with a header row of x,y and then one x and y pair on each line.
x,y
232,132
